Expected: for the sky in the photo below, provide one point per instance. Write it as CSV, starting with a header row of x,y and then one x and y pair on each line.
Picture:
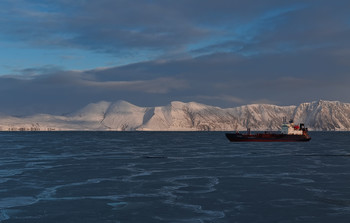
x,y
57,56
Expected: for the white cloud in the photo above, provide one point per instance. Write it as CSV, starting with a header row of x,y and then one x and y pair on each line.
x,y
226,98
158,86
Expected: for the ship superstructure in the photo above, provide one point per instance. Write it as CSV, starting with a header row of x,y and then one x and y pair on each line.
x,y
289,133
292,129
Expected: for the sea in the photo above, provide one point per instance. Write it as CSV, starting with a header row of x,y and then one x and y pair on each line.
x,y
172,177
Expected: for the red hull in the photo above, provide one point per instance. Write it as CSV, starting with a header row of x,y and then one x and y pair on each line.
x,y
267,137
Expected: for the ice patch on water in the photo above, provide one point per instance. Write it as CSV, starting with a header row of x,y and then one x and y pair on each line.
x,y
139,173
291,202
48,193
296,181
189,184
316,190
117,205
9,173
10,202
38,164
207,215
198,181
4,180
3,215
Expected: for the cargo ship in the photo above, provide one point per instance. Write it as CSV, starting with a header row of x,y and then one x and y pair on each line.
x,y
289,133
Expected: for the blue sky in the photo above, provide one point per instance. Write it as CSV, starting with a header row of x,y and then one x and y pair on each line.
x,y
57,56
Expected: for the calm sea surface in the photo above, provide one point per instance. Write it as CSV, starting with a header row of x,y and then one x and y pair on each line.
x,y
172,177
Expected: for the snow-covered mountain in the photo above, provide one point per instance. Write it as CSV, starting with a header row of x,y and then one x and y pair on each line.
x,y
192,116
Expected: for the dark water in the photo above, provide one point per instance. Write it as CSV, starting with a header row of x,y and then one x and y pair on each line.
x,y
172,177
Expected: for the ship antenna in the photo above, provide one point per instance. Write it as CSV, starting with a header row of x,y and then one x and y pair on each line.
x,y
284,120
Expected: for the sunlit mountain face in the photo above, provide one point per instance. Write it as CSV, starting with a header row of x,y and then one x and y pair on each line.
x,y
192,116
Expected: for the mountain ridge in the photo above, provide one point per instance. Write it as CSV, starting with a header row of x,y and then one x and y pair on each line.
x,y
191,116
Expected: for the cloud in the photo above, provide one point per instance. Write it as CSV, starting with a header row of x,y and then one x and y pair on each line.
x,y
65,91
226,98
161,27
156,86
224,80
223,53
157,30
35,71
263,101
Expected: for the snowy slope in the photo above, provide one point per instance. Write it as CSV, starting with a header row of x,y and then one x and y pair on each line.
x,y
123,116
192,116
324,115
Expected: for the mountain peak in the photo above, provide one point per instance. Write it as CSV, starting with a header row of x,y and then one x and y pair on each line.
x,y
177,103
192,116
123,104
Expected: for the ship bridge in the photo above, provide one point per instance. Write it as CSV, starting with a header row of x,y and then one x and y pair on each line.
x,y
291,129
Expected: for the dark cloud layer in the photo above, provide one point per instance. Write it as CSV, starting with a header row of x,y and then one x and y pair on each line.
x,y
223,53
162,26
221,79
